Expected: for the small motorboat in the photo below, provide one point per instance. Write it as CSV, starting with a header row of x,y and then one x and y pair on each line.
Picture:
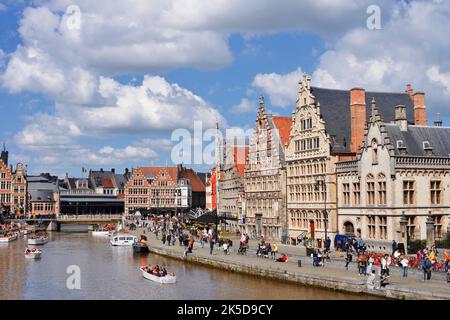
x,y
140,247
123,239
103,231
169,278
32,253
38,239
8,237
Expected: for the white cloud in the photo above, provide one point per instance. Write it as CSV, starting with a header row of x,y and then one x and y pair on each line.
x,y
281,89
244,106
2,7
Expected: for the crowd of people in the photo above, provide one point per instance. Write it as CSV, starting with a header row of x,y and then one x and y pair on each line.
x,y
171,229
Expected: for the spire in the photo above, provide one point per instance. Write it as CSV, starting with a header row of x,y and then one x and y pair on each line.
x,y
375,115
261,102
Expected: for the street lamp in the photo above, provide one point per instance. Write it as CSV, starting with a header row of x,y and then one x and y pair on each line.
x,y
322,183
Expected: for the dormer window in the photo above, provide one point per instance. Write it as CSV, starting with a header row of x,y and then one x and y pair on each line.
x,y
427,148
401,147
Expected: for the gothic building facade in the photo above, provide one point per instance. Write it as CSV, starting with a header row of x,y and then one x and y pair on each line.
x,y
264,206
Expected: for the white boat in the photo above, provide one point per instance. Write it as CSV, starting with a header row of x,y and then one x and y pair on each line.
x,y
123,239
100,233
166,279
32,253
25,231
38,240
8,238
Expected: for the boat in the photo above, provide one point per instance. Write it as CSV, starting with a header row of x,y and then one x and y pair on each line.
x,y
123,239
169,278
38,239
8,237
104,231
25,231
100,233
33,253
140,247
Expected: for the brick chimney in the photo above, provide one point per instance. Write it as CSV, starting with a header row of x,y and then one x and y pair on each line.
x,y
357,117
420,115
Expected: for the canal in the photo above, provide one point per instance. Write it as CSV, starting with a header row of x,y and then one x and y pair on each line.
x,y
112,273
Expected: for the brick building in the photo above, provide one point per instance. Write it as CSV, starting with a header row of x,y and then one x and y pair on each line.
x,y
152,189
13,187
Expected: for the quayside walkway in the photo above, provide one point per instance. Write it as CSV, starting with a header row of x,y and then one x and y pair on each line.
x,y
333,275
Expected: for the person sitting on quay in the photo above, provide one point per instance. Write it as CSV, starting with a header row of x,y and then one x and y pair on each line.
x,y
283,258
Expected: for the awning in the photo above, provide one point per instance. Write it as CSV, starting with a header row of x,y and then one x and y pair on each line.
x,y
296,233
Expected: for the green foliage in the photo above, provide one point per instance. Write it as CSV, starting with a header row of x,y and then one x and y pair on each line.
x,y
444,243
416,245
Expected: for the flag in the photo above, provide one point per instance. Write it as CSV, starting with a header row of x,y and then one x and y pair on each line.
x,y
83,170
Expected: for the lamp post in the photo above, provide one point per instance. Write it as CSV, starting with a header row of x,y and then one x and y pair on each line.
x,y
322,183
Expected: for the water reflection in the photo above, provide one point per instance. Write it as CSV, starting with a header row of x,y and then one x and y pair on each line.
x,y
113,273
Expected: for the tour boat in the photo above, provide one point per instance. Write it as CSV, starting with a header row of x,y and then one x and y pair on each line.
x,y
33,253
8,237
140,247
123,239
25,231
38,240
100,233
170,278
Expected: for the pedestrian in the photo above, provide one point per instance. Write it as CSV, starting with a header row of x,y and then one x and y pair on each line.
x,y
315,259
394,247
385,263
370,263
169,238
348,258
274,251
327,244
405,263
225,247
164,237
211,244
447,261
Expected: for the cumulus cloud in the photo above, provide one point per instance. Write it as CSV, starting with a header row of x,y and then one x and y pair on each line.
x,y
244,106
281,88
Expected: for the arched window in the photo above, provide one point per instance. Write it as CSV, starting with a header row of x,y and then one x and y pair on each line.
x,y
374,152
349,229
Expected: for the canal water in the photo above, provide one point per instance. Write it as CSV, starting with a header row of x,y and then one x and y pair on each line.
x,y
113,273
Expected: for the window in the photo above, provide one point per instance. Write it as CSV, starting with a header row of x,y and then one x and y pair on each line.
x,y
408,192
438,227
371,227
411,227
346,193
383,227
435,192
356,193
381,190
370,191
374,152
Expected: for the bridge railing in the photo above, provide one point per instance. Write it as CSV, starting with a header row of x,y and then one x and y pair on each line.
x,y
95,217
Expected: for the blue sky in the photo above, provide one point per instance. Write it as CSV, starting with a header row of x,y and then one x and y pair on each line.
x,y
111,92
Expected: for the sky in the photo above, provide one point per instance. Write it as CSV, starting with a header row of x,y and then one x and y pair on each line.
x,y
101,84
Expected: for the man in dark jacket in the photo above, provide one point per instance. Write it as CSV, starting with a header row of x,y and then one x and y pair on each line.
x,y
394,247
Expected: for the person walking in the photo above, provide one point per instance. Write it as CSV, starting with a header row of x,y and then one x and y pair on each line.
x,y
348,258
168,238
426,268
370,263
274,251
211,245
447,261
394,247
327,244
405,263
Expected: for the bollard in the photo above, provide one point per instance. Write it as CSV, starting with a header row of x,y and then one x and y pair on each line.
x,y
299,263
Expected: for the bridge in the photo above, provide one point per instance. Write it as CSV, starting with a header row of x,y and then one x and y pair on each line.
x,y
54,222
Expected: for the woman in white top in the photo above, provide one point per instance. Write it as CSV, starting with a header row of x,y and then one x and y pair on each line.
x,y
405,264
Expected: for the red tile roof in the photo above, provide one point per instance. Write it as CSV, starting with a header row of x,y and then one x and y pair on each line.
x,y
107,183
283,124
196,182
156,171
240,157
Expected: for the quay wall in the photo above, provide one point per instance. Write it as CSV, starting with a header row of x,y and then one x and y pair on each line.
x,y
333,283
